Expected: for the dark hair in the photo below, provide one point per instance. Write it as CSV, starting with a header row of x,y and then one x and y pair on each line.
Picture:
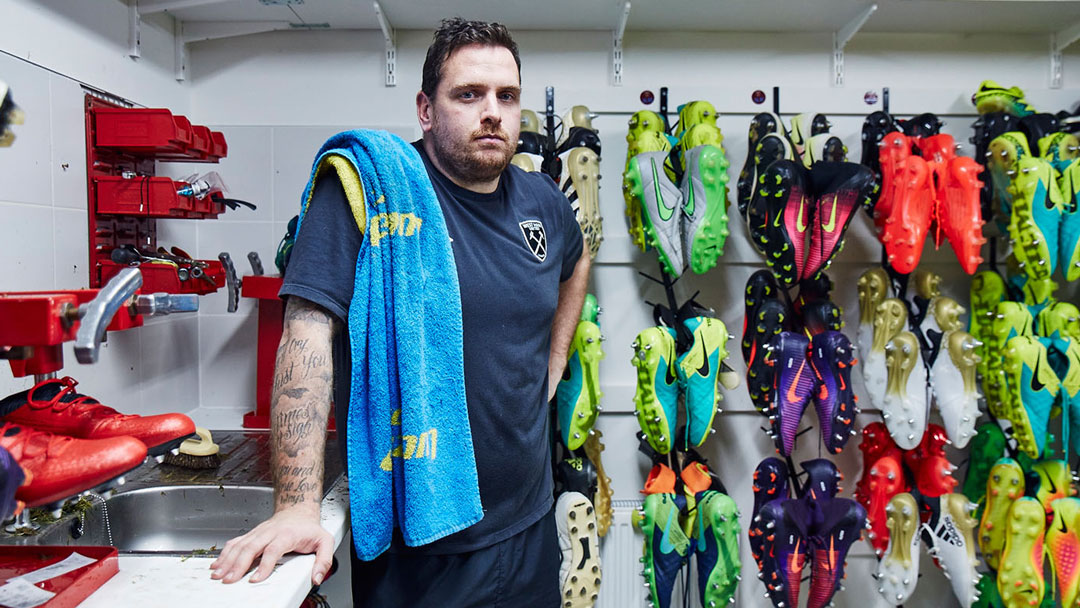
x,y
456,33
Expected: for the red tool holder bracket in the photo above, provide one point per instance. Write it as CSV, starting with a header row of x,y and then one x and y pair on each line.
x,y
126,197
271,325
34,345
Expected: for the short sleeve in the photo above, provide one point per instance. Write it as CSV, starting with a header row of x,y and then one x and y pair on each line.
x,y
322,268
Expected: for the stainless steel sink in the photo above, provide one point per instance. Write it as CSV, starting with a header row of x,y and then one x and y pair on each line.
x,y
167,519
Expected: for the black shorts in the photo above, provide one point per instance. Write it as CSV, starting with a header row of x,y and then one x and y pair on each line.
x,y
521,571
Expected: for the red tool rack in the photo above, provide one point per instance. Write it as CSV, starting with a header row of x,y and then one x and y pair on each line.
x,y
126,197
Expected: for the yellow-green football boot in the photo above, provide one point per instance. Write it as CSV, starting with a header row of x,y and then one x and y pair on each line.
x,y
992,97
1009,319
1069,241
1036,217
987,289
1020,570
643,121
1003,155
657,398
666,545
1060,149
1059,320
1003,488
695,113
577,397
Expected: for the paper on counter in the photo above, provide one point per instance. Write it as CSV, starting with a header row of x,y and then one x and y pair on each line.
x,y
69,563
18,593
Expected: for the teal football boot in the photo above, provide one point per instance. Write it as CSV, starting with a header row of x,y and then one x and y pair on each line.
x,y
577,397
666,545
698,369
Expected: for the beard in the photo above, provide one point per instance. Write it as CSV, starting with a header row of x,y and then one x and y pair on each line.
x,y
469,160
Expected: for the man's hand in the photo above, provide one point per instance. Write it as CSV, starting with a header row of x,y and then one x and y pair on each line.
x,y
289,530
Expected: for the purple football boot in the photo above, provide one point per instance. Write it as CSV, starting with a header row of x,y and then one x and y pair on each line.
x,y
822,479
784,551
770,484
793,383
11,477
832,357
842,524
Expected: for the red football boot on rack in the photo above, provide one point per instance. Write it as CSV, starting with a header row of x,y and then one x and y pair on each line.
x,y
909,219
876,443
894,150
938,151
933,444
54,406
60,467
961,216
886,479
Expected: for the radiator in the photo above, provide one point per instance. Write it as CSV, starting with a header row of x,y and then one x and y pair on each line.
x,y
620,550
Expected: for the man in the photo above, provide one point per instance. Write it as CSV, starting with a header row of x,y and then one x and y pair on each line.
x,y
522,272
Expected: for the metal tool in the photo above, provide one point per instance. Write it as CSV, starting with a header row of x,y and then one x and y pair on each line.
x,y
97,313
232,281
256,263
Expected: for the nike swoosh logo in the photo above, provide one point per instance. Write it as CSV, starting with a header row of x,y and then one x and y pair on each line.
x,y
704,369
669,377
1063,528
689,206
832,218
775,222
661,206
1036,384
800,225
665,544
1053,487
795,383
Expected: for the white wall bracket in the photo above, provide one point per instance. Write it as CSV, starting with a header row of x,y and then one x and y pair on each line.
x,y
840,40
616,45
134,23
391,46
1058,42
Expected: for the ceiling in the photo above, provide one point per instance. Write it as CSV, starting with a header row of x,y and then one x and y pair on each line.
x,y
898,16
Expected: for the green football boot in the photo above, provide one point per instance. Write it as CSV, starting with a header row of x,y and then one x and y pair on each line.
x,y
666,546
1064,355
1032,388
987,289
1059,320
704,195
661,207
1038,294
647,141
590,309
716,548
987,447
697,370
1036,217
1003,156
1069,241
992,97
657,397
577,397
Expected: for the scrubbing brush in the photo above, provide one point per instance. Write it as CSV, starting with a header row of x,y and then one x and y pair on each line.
x,y
200,453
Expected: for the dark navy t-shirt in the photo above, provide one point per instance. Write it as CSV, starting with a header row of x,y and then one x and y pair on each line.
x,y
513,248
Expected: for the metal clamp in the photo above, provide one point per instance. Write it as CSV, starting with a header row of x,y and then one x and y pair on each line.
x,y
157,304
232,281
98,313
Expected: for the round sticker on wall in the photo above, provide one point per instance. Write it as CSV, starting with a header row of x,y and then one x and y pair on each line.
x,y
647,97
870,98
758,96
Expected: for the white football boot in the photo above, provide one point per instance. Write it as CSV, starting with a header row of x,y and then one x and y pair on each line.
x,y
952,379
904,406
898,570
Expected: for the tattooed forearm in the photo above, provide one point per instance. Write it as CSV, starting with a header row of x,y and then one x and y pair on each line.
x,y
301,404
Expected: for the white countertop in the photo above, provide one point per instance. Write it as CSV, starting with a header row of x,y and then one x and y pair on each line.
x,y
178,582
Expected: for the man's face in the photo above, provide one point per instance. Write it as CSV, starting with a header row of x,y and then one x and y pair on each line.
x,y
475,118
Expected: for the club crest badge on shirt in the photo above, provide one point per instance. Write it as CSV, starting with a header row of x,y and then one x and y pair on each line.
x,y
535,238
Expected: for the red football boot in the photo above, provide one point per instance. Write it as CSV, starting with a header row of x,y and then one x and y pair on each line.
x,y
60,467
961,216
934,478
54,406
933,444
894,150
938,150
886,480
908,222
876,443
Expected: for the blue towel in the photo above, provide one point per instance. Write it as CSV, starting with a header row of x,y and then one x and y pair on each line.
x,y
410,451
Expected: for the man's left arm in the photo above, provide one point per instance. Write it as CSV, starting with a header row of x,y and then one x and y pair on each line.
x,y
567,314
